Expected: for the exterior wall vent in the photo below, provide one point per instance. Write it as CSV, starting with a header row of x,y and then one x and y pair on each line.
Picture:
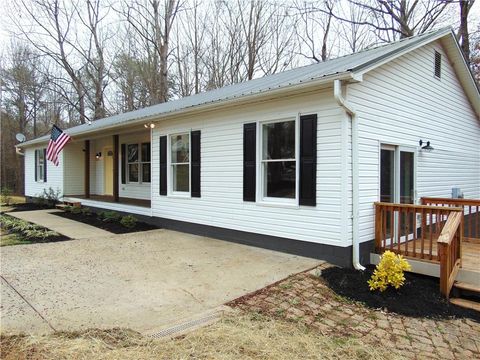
x,y
438,65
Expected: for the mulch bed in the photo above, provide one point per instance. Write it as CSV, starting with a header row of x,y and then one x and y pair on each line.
x,y
114,227
419,297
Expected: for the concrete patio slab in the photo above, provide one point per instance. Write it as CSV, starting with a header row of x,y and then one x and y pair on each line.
x,y
72,229
144,281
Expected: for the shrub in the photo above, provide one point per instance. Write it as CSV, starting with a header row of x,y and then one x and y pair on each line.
x,y
389,271
129,221
86,211
6,195
48,198
26,229
76,210
109,216
67,208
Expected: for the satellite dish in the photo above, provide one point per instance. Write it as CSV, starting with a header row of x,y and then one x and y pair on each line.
x,y
20,137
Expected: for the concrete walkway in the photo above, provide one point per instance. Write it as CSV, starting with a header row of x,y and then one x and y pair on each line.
x,y
72,229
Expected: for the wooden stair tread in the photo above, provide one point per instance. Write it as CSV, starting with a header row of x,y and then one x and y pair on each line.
x,y
466,286
467,304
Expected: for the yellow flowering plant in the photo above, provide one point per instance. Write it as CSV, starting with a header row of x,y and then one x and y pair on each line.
x,y
389,271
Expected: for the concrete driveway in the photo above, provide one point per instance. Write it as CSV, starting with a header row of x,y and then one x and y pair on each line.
x,y
143,281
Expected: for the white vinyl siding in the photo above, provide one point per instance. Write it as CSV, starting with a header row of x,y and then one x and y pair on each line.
x,y
74,169
54,174
222,202
401,103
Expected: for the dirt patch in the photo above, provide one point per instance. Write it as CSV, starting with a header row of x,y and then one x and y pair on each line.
x,y
114,227
419,297
242,336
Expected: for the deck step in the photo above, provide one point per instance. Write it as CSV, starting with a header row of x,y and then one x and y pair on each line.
x,y
467,304
72,203
467,287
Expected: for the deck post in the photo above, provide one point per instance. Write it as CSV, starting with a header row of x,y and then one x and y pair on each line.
x,y
87,169
115,168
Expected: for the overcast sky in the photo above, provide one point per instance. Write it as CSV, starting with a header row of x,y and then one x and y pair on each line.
x,y
474,21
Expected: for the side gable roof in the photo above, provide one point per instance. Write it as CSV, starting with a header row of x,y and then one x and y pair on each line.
x,y
345,67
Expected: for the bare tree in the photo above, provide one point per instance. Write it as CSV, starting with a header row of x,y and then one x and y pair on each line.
x,y
153,24
402,18
463,35
314,23
94,54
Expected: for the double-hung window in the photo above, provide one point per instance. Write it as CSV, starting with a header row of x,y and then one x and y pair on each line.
x,y
279,161
180,162
40,165
138,163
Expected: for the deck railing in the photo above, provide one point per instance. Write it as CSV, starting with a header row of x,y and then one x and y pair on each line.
x,y
410,230
428,233
471,210
449,251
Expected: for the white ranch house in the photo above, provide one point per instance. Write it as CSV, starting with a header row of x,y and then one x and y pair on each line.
x,y
293,161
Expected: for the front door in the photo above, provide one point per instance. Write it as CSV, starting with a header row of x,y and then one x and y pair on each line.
x,y
397,181
108,170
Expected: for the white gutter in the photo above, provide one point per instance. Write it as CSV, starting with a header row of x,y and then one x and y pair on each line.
x,y
337,93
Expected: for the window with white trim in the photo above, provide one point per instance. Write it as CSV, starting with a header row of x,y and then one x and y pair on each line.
x,y
279,160
40,165
138,163
180,162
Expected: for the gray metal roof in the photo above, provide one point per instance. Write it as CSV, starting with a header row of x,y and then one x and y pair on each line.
x,y
302,75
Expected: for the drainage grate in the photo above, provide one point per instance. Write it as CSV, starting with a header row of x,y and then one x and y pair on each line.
x,y
185,326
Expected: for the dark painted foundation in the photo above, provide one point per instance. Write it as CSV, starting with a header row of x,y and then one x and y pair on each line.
x,y
341,256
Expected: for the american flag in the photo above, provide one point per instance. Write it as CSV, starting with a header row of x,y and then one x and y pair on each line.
x,y
58,140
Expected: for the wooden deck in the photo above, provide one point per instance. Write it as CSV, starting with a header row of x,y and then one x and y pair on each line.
x,y
444,232
110,199
470,253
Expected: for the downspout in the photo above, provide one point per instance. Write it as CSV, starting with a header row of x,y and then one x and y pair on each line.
x,y
151,167
18,151
337,92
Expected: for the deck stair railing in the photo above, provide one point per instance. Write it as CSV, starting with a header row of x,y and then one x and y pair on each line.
x,y
427,233
471,210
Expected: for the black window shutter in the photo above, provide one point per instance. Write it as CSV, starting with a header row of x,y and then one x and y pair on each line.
x,y
308,160
36,165
163,165
123,162
249,161
195,175
44,165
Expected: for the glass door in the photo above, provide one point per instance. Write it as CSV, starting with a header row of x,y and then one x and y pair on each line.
x,y
397,185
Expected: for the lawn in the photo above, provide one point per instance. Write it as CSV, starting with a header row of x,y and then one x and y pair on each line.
x,y
11,239
235,336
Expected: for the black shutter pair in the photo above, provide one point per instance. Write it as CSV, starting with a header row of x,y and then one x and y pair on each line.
x,y
308,160
195,164
37,155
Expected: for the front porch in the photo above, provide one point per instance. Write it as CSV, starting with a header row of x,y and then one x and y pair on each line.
x,y
440,238
110,171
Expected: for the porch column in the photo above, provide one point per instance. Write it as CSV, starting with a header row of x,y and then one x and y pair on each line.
x,y
115,168
87,169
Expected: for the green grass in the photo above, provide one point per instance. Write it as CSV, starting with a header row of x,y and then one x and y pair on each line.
x,y
12,239
14,199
